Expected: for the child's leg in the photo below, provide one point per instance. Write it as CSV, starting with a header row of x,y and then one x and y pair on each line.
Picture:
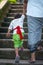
x,y
21,43
17,58
16,46
17,52
16,43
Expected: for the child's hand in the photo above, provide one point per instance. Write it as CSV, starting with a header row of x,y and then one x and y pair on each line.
x,y
8,35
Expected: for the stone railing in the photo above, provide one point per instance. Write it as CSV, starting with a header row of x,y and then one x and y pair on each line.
x,y
3,8
2,3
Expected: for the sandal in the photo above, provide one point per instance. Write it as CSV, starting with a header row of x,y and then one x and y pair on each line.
x,y
39,48
31,61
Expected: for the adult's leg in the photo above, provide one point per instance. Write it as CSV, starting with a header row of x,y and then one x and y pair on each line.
x,y
34,34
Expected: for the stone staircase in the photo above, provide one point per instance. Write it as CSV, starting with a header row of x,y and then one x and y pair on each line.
x,y
7,51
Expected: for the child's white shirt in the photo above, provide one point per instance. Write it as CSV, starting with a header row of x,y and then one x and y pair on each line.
x,y
17,22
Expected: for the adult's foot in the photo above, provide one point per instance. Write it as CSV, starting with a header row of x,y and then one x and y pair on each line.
x,y
32,61
39,48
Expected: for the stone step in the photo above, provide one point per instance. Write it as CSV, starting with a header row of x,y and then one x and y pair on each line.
x,y
12,40
7,19
4,29
8,43
22,62
16,11
3,36
9,53
10,17
16,7
12,49
18,4
12,14
6,24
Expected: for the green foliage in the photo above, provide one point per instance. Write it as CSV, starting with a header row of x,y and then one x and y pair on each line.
x,y
0,0
12,1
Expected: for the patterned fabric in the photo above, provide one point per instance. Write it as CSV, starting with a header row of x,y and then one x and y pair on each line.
x,y
34,32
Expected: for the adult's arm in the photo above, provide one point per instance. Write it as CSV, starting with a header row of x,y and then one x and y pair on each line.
x,y
25,6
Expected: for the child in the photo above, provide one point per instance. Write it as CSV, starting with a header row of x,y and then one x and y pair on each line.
x,y
18,33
